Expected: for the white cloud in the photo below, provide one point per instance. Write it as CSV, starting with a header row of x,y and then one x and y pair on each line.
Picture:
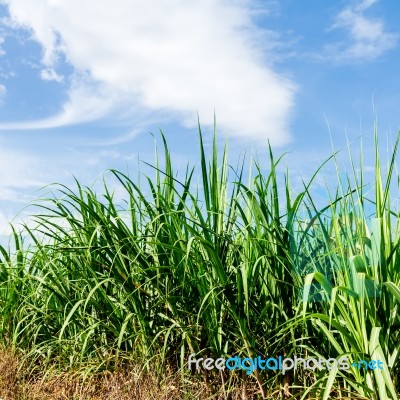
x,y
5,228
86,103
3,92
176,58
124,138
17,170
364,5
368,37
23,171
48,74
2,51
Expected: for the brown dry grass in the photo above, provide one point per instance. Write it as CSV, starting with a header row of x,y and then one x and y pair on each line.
x,y
19,384
16,384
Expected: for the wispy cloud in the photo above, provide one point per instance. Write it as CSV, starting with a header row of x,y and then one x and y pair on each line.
x,y
18,169
86,103
24,172
124,138
368,38
2,51
176,58
48,74
3,92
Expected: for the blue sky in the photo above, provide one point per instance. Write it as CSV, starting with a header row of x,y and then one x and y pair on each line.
x,y
82,83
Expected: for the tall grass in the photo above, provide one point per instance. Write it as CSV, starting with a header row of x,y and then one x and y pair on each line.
x,y
227,267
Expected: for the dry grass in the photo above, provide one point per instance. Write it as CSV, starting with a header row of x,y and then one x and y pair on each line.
x,y
17,383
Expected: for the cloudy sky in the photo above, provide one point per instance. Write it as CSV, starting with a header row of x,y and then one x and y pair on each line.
x,y
83,83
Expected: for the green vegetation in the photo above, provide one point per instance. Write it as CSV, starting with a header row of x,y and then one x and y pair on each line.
x,y
230,266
